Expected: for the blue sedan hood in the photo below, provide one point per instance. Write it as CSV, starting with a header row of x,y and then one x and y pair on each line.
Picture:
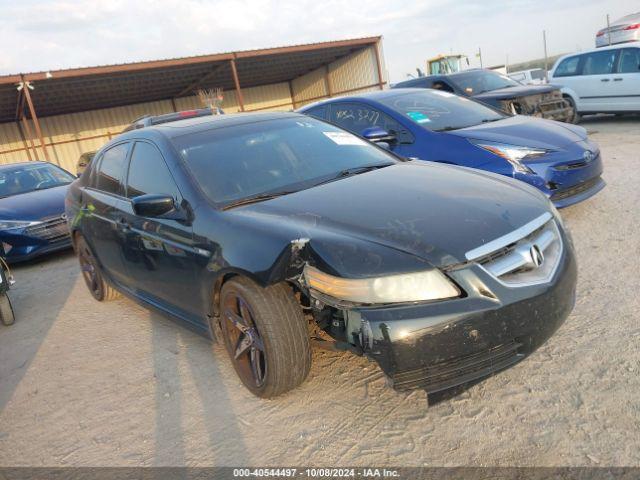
x,y
34,205
525,131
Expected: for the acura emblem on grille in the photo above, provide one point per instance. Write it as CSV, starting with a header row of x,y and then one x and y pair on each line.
x,y
63,216
537,256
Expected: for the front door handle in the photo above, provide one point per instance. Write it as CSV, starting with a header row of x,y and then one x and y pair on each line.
x,y
617,79
123,224
604,79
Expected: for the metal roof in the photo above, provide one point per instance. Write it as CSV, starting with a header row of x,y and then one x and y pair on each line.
x,y
80,89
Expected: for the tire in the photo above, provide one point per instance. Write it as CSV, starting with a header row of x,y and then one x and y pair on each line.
x,y
266,336
6,310
575,118
93,277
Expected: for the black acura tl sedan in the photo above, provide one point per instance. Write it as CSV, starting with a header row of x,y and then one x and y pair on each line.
x,y
277,231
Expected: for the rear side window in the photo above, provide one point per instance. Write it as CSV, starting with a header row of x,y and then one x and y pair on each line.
x,y
111,169
568,67
148,173
629,60
599,63
357,117
318,112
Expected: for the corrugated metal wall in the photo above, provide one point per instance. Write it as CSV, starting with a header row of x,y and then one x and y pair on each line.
x,y
68,136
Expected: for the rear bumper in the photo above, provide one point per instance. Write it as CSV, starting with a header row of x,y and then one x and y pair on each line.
x,y
445,344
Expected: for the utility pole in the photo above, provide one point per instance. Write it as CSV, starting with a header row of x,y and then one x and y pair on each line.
x,y
608,30
546,62
479,55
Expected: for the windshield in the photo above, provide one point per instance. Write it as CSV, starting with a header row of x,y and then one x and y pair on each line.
x,y
479,81
274,156
27,178
438,111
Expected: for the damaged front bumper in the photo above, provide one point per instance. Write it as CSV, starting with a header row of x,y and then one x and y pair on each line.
x,y
550,106
444,344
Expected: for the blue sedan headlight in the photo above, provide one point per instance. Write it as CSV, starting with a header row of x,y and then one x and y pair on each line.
x,y
14,224
514,154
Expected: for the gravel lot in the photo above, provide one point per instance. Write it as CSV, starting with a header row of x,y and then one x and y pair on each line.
x,y
88,384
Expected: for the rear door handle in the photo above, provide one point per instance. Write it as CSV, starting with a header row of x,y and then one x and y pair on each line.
x,y
604,79
617,79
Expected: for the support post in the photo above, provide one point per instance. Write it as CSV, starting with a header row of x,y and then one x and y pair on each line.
x,y
30,135
327,82
34,117
236,82
173,105
376,48
291,94
24,141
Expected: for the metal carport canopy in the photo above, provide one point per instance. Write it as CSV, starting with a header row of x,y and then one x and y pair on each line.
x,y
76,90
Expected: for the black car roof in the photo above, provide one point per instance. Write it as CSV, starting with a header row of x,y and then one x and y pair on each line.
x,y
199,124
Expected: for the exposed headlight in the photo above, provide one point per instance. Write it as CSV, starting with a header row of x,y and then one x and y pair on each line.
x,y
512,153
407,287
12,224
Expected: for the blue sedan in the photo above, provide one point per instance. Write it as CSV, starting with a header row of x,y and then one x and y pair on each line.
x,y
32,219
556,158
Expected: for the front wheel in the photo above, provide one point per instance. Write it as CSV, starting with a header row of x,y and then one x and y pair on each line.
x,y
266,336
6,310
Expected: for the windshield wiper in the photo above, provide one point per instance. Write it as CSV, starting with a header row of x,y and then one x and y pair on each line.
x,y
257,198
447,129
352,171
488,120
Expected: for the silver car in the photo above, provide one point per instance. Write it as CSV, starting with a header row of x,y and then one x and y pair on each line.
x,y
625,29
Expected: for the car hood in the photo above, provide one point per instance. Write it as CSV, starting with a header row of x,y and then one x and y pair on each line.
x,y
34,205
431,211
525,131
513,92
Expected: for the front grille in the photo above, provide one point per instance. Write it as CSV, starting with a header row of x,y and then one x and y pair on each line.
x,y
575,190
527,256
458,371
52,229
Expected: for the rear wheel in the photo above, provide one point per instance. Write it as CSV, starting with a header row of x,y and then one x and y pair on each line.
x,y
6,310
93,278
266,336
575,116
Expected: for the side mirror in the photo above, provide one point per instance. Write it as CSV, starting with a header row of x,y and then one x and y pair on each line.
x,y
153,205
378,134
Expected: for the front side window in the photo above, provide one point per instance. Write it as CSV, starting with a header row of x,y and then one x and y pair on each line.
x,y
148,173
288,154
357,117
568,67
111,169
599,63
439,111
474,82
28,178
629,60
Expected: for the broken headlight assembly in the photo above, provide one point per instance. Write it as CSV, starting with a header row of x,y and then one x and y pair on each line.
x,y
407,287
514,154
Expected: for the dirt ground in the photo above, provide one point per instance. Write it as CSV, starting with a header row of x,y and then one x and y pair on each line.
x,y
90,384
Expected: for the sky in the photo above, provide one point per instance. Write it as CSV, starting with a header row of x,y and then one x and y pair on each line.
x,y
40,35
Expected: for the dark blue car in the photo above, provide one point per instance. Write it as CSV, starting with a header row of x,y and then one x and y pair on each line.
x,y
556,158
32,219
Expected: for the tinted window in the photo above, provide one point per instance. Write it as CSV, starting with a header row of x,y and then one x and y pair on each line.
x,y
474,82
537,74
357,117
318,112
629,60
568,67
271,156
435,110
148,173
111,169
599,63
27,178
